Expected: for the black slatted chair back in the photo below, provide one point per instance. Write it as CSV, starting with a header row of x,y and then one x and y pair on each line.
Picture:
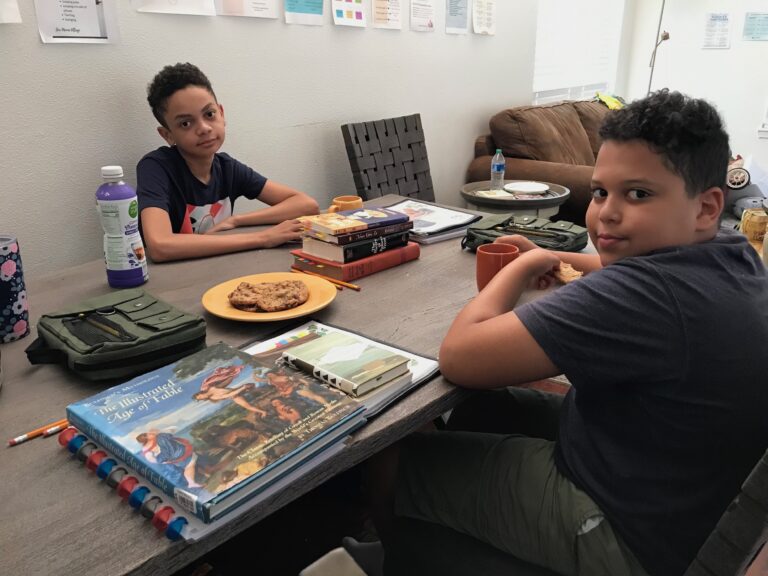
x,y
389,157
741,532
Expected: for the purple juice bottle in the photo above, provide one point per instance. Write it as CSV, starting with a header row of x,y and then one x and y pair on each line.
x,y
119,215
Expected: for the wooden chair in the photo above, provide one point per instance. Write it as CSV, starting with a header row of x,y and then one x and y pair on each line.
x,y
426,548
389,157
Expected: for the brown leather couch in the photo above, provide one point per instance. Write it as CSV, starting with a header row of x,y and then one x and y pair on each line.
x,y
554,143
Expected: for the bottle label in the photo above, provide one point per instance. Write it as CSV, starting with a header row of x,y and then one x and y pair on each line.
x,y
125,253
119,217
497,167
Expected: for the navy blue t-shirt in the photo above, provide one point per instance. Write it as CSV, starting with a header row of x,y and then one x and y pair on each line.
x,y
165,181
667,413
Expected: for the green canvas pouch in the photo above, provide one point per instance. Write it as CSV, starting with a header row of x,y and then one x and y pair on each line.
x,y
117,335
562,235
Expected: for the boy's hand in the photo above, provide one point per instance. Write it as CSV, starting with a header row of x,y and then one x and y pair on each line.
x,y
539,264
517,240
288,231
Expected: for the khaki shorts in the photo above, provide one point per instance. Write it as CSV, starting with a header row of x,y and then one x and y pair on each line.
x,y
506,490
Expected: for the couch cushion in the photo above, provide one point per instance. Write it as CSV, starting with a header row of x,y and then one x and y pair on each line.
x,y
552,133
591,114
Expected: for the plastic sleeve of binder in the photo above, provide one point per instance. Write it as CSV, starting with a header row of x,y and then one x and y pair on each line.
x,y
127,486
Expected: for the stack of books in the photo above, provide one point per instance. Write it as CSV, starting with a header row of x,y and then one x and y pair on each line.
x,y
350,244
213,434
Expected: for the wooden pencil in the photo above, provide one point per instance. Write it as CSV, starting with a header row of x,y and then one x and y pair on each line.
x,y
332,280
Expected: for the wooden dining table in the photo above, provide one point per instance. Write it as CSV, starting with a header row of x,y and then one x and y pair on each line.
x,y
57,518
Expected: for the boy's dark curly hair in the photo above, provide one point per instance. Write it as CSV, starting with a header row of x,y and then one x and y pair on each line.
x,y
171,79
687,133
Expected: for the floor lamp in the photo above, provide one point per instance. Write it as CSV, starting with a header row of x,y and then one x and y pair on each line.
x,y
660,37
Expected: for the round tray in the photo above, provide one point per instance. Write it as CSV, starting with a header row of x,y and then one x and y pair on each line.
x,y
556,195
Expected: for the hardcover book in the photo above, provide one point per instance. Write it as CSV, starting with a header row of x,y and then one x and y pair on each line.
x,y
220,443
216,427
360,235
350,271
346,221
356,250
347,363
434,221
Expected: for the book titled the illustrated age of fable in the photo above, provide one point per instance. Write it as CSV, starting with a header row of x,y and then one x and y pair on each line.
x,y
218,427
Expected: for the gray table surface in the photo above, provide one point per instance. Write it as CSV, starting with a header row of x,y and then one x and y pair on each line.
x,y
57,518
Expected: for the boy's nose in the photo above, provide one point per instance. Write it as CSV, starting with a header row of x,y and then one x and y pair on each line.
x,y
610,211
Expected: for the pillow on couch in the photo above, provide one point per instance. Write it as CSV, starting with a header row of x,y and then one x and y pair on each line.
x,y
591,114
551,133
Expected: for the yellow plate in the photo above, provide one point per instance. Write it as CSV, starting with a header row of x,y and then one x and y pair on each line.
x,y
321,293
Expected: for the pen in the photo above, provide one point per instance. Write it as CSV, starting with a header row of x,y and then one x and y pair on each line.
x,y
331,280
37,432
337,286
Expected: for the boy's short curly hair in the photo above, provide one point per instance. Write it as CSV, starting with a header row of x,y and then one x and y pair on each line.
x,y
171,79
687,133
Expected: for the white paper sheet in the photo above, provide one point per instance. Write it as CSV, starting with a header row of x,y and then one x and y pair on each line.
x,y
387,14
193,7
348,13
77,21
423,15
484,16
756,26
456,16
249,8
9,12
717,30
304,12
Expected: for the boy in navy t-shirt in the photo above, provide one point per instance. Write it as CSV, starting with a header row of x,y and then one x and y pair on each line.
x,y
663,340
187,190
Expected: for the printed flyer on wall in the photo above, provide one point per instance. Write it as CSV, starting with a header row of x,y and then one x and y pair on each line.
x,y
249,8
387,14
348,13
77,21
423,15
456,16
309,12
190,7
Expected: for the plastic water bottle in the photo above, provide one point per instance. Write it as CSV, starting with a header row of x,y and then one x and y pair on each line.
x,y
497,170
119,214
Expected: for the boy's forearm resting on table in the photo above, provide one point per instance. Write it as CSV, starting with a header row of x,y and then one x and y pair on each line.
x,y
487,346
293,206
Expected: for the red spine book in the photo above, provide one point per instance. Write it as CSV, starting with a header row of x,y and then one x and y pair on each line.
x,y
359,268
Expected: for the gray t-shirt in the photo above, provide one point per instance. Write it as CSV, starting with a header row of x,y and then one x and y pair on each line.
x,y
668,411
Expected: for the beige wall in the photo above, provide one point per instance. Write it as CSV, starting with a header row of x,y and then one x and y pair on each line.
x,y
71,108
735,80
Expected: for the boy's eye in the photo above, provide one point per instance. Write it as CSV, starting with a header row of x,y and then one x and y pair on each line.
x,y
185,124
638,194
599,193
210,114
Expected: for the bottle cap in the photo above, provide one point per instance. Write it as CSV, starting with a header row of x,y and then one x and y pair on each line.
x,y
498,151
111,171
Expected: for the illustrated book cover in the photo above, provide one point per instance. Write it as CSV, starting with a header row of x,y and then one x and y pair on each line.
x,y
347,363
217,427
347,343
430,220
346,221
350,271
360,235
356,250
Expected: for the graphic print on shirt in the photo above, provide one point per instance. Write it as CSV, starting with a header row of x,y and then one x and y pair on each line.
x,y
200,219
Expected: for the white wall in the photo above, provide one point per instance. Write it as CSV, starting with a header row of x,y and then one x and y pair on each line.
x,y
734,80
70,108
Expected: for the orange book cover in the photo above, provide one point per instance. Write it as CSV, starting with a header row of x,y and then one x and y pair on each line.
x,y
359,268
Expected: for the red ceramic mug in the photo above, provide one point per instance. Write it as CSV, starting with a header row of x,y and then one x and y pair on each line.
x,y
491,258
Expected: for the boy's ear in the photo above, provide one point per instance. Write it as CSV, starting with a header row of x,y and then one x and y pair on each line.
x,y
711,203
221,111
165,134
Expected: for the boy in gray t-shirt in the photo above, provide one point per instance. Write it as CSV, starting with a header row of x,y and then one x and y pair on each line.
x,y
662,341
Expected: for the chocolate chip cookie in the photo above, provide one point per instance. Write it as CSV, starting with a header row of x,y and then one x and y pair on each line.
x,y
269,296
